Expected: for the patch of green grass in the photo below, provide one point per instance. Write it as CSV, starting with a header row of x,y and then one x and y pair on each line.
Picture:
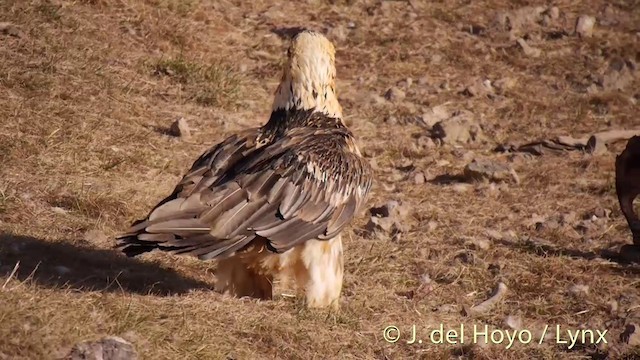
x,y
51,12
213,84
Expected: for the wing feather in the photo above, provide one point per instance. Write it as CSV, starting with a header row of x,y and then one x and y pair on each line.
x,y
308,184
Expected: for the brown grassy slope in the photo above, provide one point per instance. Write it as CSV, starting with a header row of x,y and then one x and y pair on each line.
x,y
88,88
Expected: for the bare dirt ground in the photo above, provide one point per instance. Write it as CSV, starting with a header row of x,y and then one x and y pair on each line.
x,y
88,89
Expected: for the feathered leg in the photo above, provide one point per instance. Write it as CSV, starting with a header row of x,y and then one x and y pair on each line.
x,y
320,272
236,279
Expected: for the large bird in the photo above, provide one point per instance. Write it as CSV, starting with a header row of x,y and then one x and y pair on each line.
x,y
272,200
628,184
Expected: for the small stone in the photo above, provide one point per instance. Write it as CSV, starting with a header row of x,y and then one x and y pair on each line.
x,y
478,88
95,237
613,307
180,128
419,178
568,218
505,84
527,49
391,120
108,348
59,210
406,83
513,322
494,234
554,12
7,28
584,25
377,99
481,244
602,213
618,76
432,226
435,114
338,33
426,142
461,188
489,170
462,127
579,290
394,94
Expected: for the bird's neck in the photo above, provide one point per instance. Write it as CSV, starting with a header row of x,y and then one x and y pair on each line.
x,y
315,92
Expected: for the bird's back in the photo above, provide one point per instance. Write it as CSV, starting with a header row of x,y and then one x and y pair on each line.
x,y
282,185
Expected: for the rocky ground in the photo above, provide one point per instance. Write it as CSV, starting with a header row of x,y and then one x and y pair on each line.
x,y
493,128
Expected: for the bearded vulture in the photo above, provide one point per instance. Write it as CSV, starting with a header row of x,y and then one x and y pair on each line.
x,y
271,201
628,184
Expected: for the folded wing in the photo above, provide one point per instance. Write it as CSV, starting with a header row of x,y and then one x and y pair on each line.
x,y
307,185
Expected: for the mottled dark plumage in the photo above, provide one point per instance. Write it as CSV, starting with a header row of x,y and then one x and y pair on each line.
x,y
299,177
628,184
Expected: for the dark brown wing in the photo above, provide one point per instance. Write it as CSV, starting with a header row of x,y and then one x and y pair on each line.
x,y
308,184
628,183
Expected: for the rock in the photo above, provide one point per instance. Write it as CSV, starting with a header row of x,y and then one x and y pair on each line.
x,y
528,50
392,208
419,178
494,234
505,84
180,128
59,210
584,25
406,83
435,114
338,33
618,75
108,348
461,188
394,94
478,88
513,322
579,290
388,219
613,307
602,213
480,244
425,142
568,218
554,12
462,127
377,99
517,21
7,28
95,237
631,335
489,170
391,120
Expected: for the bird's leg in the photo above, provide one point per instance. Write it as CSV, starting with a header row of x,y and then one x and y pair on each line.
x,y
320,272
236,279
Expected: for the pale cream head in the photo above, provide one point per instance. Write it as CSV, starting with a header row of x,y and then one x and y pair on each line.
x,y
309,76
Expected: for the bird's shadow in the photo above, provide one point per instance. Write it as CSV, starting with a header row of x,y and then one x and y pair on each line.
x,y
628,255
447,179
64,265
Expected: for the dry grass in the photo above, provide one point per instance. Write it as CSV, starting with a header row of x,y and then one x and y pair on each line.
x,y
89,87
